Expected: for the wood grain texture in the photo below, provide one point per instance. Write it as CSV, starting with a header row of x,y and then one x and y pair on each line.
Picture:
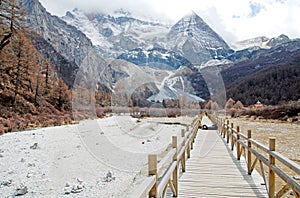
x,y
214,171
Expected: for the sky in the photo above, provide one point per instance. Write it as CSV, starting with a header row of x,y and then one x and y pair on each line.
x,y
234,20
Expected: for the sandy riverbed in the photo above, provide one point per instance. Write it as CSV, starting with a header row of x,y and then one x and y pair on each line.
x,y
75,160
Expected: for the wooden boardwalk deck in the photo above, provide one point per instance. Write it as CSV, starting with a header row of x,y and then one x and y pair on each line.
x,y
214,171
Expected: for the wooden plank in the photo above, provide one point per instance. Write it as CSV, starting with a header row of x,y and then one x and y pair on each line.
x,y
214,171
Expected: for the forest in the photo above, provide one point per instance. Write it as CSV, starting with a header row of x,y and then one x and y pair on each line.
x,y
32,93
272,85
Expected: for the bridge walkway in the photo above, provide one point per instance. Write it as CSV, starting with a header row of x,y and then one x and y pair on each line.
x,y
214,171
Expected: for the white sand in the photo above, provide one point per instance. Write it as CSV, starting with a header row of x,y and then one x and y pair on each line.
x,y
82,155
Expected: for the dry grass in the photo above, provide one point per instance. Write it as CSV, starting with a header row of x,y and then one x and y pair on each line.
x,y
287,139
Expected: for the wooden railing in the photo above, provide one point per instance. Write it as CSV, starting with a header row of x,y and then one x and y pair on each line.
x,y
267,156
164,174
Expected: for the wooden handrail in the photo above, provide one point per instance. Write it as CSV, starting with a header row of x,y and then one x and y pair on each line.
x,y
144,188
165,172
259,151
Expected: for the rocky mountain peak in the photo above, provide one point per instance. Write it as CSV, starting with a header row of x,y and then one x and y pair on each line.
x,y
281,39
195,40
190,23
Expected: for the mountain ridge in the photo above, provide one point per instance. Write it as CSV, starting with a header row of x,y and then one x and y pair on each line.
x,y
131,39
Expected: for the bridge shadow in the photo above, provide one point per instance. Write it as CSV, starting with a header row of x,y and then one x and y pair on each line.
x,y
214,171
254,180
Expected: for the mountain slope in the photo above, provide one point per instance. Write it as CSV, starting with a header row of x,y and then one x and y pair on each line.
x,y
155,57
270,82
257,59
64,39
117,33
190,42
196,41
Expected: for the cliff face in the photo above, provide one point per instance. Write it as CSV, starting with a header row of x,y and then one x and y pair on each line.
x,y
64,45
65,39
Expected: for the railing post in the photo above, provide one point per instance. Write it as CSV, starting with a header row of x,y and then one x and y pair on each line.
x,y
199,123
152,170
183,154
249,152
271,172
222,127
225,128
238,148
175,172
232,138
227,132
188,150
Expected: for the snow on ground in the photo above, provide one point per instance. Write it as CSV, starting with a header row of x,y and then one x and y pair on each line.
x,y
77,159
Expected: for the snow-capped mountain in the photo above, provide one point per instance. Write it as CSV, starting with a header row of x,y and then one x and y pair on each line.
x,y
196,41
176,54
254,42
117,33
156,57
259,47
261,42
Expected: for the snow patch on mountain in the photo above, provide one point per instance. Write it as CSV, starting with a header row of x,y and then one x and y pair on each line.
x,y
214,62
119,32
253,42
86,26
168,90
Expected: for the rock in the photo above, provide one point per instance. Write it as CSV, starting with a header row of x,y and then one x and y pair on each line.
x,y
77,189
34,146
292,192
1,155
7,183
31,165
67,191
108,177
79,180
22,160
22,190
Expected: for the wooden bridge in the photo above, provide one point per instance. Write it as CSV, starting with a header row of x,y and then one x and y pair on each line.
x,y
217,163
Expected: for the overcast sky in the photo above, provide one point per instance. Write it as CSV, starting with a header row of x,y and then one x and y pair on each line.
x,y
233,19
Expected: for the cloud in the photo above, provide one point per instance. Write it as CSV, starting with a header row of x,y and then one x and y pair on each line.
x,y
217,23
256,8
59,7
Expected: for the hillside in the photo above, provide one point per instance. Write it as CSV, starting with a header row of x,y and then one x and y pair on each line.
x,y
32,93
271,84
